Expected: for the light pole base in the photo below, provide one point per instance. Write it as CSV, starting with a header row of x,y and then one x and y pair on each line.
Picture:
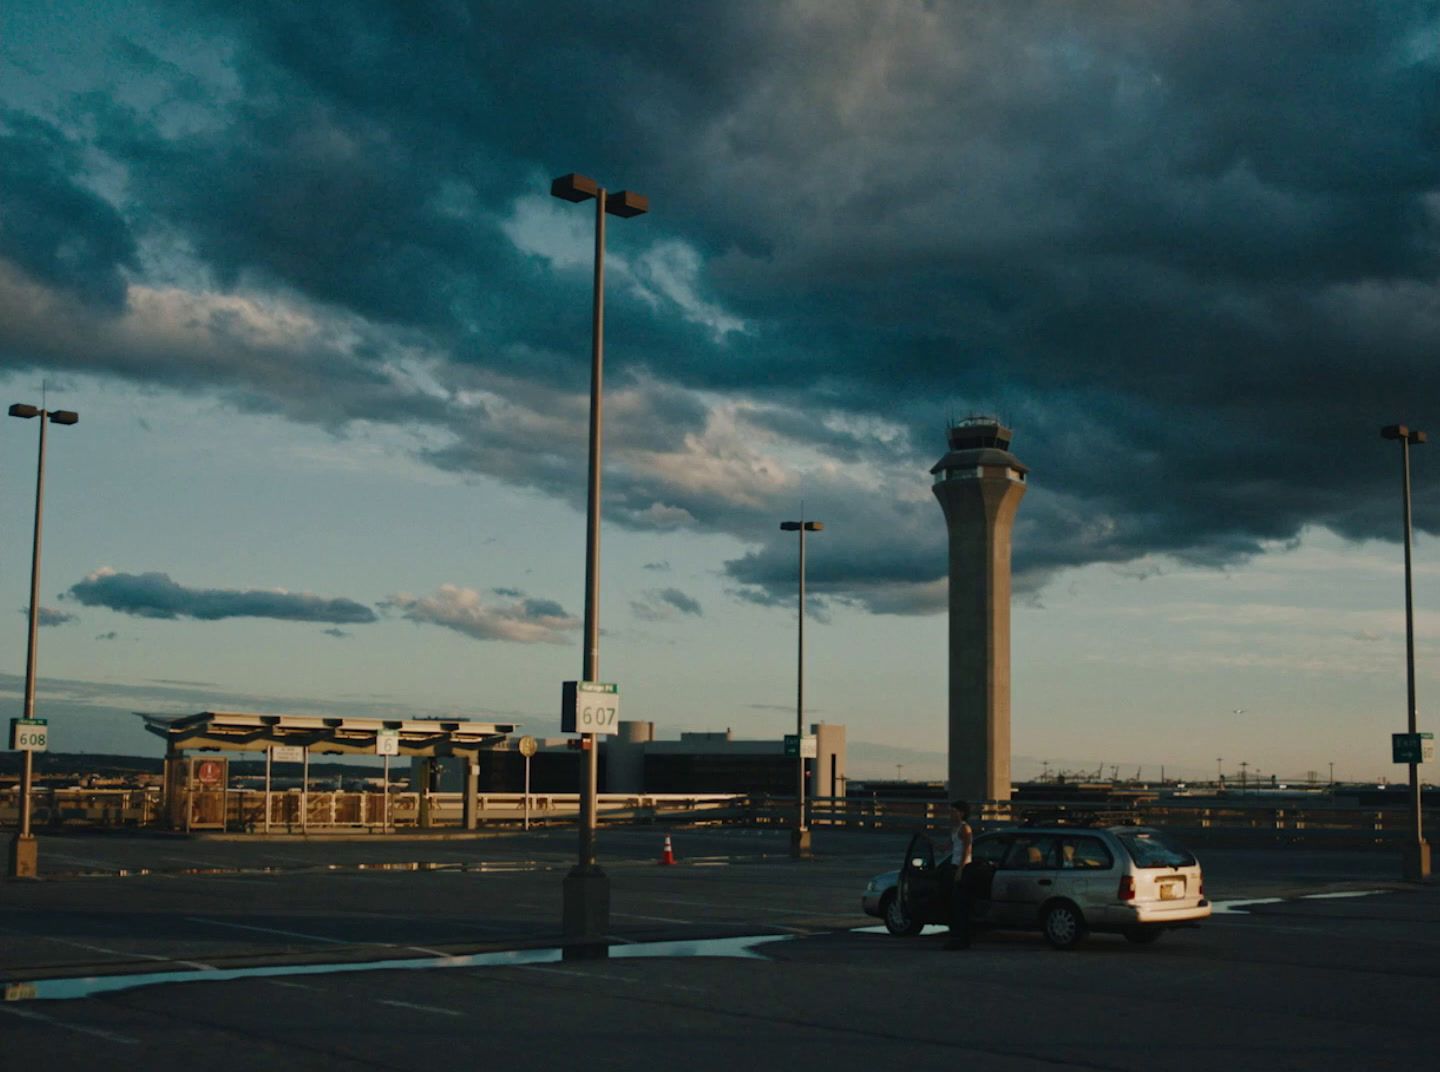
x,y
800,844
24,857
1417,861
586,914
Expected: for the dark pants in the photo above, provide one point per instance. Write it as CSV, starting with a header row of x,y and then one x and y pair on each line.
x,y
960,894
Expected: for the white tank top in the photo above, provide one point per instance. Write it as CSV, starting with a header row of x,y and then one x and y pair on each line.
x,y
958,855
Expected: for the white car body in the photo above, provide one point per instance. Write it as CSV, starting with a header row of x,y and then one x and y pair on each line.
x,y
1063,880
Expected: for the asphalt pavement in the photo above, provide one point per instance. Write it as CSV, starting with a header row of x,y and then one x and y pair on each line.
x,y
384,953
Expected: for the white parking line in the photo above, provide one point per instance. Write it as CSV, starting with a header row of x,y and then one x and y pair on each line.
x,y
653,919
104,865
580,974
128,954
418,1008
273,930
732,907
95,1032
1227,907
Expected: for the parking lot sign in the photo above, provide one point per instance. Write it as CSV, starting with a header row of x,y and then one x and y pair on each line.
x,y
805,748
29,735
1413,747
590,707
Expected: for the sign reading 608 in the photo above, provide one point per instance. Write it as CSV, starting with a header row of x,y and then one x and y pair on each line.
x,y
29,735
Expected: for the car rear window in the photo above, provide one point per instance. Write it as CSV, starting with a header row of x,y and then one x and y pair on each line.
x,y
1085,853
1150,849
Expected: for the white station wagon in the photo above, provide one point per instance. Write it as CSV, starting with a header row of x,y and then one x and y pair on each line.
x,y
1064,881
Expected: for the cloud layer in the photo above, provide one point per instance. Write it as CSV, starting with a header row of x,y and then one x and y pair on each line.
x,y
155,595
523,620
1192,253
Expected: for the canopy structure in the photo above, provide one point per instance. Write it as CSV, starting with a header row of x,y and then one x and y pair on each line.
x,y
239,731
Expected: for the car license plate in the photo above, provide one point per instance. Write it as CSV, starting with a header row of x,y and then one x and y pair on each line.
x,y
1172,891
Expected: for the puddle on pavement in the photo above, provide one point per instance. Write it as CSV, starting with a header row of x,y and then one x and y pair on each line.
x,y
743,948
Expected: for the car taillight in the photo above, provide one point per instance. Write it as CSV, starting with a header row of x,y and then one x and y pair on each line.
x,y
1202,887
1126,892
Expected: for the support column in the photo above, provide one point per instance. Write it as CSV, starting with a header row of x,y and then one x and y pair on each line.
x,y
472,790
426,781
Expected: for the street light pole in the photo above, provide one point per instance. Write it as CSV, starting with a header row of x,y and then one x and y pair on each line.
x,y
1417,854
587,888
800,836
24,855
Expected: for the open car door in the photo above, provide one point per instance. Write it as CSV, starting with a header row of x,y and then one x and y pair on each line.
x,y
920,890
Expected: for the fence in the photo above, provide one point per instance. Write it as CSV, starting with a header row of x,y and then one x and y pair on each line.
x,y
1319,823
293,811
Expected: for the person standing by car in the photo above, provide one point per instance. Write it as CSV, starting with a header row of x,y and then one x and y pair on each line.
x,y
961,845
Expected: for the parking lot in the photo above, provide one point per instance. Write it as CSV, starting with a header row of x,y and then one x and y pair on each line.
x,y
392,954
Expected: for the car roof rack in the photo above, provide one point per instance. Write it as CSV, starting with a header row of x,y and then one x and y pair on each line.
x,y
1062,816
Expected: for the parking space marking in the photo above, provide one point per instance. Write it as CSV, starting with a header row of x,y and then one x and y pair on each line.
x,y
104,865
273,930
292,986
580,974
94,1032
126,953
191,861
654,919
418,1008
723,907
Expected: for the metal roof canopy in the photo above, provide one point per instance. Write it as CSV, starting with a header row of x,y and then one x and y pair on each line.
x,y
239,731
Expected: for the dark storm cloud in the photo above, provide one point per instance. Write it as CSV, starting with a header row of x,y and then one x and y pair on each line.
x,y
155,595
55,229
1191,252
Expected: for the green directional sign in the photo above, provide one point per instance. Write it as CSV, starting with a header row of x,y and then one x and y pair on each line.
x,y
1412,747
796,747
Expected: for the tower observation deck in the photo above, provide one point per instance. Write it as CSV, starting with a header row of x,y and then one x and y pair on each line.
x,y
979,484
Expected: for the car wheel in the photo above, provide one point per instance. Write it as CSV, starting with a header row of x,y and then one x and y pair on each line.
x,y
897,920
1063,925
1141,935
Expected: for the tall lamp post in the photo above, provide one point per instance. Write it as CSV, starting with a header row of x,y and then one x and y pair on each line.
x,y
1417,853
800,836
24,857
586,912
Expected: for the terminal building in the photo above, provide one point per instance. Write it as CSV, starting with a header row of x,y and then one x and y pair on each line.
x,y
635,761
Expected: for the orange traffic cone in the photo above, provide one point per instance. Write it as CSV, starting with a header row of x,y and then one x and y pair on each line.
x,y
667,856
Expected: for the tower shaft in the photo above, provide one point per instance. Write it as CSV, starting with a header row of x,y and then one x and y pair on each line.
x,y
979,485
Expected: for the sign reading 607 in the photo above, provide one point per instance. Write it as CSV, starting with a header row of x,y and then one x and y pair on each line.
x,y
590,707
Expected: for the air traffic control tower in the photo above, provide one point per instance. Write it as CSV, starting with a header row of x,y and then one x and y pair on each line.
x,y
979,485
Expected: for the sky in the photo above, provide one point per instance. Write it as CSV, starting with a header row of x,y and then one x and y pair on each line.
x,y
298,269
